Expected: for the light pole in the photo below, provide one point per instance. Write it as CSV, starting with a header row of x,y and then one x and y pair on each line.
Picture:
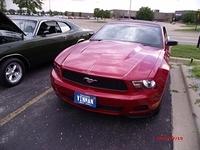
x,y
50,7
129,11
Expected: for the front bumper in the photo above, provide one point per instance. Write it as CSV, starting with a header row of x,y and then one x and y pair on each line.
x,y
142,103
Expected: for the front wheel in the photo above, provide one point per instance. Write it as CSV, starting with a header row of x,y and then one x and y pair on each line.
x,y
11,72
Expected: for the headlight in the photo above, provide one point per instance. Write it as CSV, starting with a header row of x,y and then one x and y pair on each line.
x,y
150,84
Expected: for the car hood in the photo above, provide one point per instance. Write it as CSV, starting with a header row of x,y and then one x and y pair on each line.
x,y
8,24
112,59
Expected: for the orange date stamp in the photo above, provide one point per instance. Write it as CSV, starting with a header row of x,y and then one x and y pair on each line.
x,y
168,138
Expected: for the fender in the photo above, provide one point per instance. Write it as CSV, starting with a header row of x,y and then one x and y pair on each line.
x,y
24,59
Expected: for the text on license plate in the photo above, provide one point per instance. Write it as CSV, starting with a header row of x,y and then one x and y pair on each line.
x,y
88,100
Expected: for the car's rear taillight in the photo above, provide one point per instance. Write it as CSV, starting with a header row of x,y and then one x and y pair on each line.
x,y
57,69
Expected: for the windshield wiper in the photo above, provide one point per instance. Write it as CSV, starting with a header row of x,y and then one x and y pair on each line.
x,y
95,39
144,44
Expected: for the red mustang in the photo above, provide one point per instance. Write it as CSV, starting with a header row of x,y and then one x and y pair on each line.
x,y
121,70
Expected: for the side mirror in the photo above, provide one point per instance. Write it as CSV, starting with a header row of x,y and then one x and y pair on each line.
x,y
91,33
172,43
80,40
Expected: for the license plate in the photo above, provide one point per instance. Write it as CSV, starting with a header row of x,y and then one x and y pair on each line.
x,y
83,99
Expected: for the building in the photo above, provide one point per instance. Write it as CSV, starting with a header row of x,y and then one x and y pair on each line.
x,y
158,16
180,13
117,13
80,14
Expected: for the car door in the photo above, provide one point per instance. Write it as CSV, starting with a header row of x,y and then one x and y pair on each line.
x,y
45,45
70,35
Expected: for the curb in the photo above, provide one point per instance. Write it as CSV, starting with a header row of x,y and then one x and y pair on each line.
x,y
191,99
183,60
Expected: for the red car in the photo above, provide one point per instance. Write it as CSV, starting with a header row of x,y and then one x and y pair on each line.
x,y
122,70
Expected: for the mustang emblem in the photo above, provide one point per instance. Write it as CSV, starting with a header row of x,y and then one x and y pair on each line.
x,y
89,80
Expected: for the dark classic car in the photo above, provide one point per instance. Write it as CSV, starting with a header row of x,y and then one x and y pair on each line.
x,y
30,41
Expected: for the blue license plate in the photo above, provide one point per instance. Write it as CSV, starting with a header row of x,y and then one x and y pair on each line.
x,y
83,99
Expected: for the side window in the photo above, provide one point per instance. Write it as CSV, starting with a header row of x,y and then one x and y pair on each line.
x,y
64,27
49,27
43,28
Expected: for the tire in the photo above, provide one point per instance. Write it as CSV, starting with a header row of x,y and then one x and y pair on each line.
x,y
11,72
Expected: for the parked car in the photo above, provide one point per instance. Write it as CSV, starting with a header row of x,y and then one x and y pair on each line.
x,y
122,70
30,41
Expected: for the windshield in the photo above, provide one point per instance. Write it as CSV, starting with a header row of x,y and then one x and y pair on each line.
x,y
146,35
27,26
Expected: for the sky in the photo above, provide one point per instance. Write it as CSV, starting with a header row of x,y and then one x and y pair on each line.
x,y
89,5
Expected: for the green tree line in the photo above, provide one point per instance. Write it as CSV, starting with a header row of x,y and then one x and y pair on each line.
x,y
100,13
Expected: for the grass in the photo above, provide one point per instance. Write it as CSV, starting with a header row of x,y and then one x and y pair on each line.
x,y
186,51
196,71
189,25
189,28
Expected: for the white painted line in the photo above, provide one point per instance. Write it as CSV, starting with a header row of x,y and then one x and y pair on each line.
x,y
12,115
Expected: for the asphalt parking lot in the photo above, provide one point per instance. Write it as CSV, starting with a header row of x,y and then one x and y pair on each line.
x,y
32,117
51,124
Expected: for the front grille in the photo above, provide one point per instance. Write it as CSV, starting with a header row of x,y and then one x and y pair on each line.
x,y
99,82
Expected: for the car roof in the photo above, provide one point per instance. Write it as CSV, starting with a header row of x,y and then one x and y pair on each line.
x,y
39,19
137,22
36,18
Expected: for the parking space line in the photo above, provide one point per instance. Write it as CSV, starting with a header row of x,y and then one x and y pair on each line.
x,y
12,115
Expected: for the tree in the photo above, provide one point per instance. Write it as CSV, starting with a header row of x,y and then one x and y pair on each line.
x,y
49,12
2,5
55,13
145,13
80,14
100,13
30,5
197,20
42,13
189,17
97,12
107,14
66,13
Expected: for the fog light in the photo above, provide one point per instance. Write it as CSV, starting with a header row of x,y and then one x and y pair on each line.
x,y
141,108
